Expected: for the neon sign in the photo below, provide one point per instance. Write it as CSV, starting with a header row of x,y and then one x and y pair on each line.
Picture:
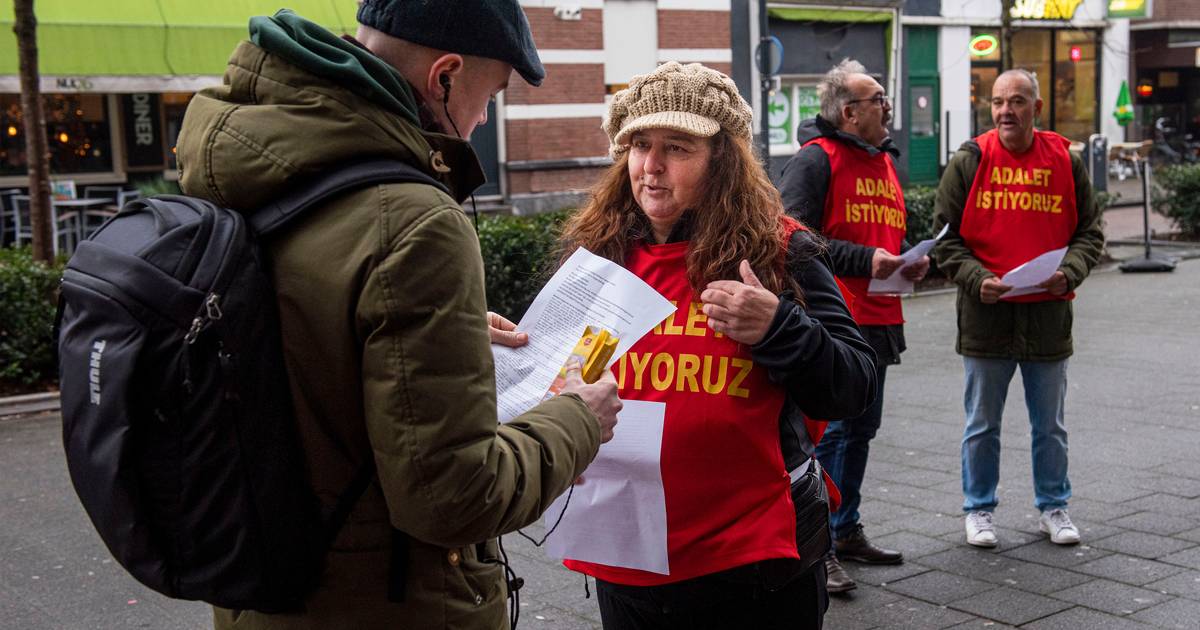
x,y
983,45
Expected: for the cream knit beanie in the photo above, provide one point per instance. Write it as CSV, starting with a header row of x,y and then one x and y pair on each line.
x,y
692,99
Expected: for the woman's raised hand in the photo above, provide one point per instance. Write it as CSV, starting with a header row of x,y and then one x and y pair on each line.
x,y
742,310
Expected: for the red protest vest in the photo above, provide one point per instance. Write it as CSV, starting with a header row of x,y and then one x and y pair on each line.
x,y
1020,206
865,205
727,493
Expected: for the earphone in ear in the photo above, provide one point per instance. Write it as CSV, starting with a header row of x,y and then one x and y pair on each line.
x,y
444,81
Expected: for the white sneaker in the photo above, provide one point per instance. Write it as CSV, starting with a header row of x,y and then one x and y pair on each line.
x,y
980,531
1056,523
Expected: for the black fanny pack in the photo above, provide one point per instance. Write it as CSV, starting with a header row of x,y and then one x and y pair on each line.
x,y
811,500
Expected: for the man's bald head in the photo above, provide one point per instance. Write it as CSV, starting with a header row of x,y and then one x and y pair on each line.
x,y
1016,104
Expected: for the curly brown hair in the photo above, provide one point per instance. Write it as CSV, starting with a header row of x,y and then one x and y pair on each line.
x,y
739,216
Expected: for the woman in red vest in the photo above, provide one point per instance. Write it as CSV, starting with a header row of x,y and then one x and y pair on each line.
x,y
761,341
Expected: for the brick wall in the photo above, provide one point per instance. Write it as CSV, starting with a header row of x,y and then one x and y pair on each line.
x,y
553,181
553,33
551,138
693,29
565,83
555,138
1176,10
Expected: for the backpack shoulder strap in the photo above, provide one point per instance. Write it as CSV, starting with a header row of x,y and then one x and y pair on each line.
x,y
277,214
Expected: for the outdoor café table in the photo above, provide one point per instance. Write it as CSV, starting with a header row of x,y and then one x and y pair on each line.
x,y
71,204
80,204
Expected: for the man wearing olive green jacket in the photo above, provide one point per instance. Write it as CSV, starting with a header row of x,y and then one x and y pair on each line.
x,y
1009,195
381,302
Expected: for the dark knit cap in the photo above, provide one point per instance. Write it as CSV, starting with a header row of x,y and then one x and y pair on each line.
x,y
496,29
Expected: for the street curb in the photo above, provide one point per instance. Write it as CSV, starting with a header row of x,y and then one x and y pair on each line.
x,y
29,403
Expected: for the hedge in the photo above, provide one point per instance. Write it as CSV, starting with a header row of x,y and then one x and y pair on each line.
x,y
918,201
516,258
1177,196
28,291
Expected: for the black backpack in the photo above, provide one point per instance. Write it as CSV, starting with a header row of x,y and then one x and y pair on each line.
x,y
177,418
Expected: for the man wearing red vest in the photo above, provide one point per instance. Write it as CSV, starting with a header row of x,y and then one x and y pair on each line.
x,y
843,184
1010,195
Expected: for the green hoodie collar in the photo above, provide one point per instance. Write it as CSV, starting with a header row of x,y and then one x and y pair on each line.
x,y
315,49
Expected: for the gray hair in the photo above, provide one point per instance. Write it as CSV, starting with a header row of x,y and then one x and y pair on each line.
x,y
833,91
1037,91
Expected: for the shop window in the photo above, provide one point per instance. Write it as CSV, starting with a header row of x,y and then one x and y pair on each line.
x,y
77,129
790,106
982,78
1075,80
1065,62
174,106
1032,51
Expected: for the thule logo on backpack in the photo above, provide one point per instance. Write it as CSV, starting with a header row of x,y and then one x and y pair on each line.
x,y
94,370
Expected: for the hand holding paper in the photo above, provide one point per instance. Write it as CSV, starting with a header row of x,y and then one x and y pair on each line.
x,y
1026,279
586,291
898,283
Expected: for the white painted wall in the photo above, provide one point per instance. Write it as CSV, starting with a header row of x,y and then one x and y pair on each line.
x,y
971,10
1094,11
1114,69
630,39
954,66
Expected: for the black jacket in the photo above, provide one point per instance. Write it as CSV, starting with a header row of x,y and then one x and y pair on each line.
x,y
804,185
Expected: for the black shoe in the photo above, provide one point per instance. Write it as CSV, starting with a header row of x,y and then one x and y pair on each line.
x,y
836,578
857,548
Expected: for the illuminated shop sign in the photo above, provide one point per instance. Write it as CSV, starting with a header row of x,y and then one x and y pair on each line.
x,y
1128,8
983,45
1045,9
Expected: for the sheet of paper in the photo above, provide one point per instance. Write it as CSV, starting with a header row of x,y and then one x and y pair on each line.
x,y
1024,278
897,284
586,291
618,515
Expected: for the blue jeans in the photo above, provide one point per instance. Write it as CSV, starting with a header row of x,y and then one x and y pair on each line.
x,y
1045,394
843,452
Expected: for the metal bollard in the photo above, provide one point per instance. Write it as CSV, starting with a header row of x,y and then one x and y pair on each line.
x,y
1095,158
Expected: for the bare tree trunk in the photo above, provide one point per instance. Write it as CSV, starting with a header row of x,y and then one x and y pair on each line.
x,y
1006,33
37,152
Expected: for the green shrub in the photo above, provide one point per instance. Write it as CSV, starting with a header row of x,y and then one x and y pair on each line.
x,y
516,258
918,200
28,291
156,186
1105,199
1177,196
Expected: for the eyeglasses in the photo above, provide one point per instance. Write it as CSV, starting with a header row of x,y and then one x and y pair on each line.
x,y
878,99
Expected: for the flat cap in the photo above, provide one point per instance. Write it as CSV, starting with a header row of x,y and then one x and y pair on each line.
x,y
496,29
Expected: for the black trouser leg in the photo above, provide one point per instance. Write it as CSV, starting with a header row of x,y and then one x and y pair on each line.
x,y
715,602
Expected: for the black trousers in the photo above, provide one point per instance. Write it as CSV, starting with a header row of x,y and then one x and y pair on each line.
x,y
729,600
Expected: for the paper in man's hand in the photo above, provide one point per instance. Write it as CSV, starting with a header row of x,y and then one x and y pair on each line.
x,y
586,291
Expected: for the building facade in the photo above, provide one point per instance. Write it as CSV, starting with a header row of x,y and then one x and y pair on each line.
x,y
1165,80
117,79
938,59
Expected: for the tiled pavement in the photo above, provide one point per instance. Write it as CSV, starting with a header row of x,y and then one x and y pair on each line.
x,y
1133,411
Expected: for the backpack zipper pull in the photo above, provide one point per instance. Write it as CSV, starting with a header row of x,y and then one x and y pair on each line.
x,y
211,312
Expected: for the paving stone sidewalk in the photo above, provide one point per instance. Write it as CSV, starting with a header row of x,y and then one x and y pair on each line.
x,y
1133,411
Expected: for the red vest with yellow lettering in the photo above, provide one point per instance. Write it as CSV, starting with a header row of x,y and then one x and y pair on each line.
x,y
727,493
1020,206
865,205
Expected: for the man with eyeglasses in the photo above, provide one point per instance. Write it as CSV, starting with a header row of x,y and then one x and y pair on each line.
x,y
843,183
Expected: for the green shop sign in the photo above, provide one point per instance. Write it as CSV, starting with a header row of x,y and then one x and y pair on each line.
x,y
1128,8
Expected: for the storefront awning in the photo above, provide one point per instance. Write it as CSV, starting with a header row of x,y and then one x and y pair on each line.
x,y
164,41
831,15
